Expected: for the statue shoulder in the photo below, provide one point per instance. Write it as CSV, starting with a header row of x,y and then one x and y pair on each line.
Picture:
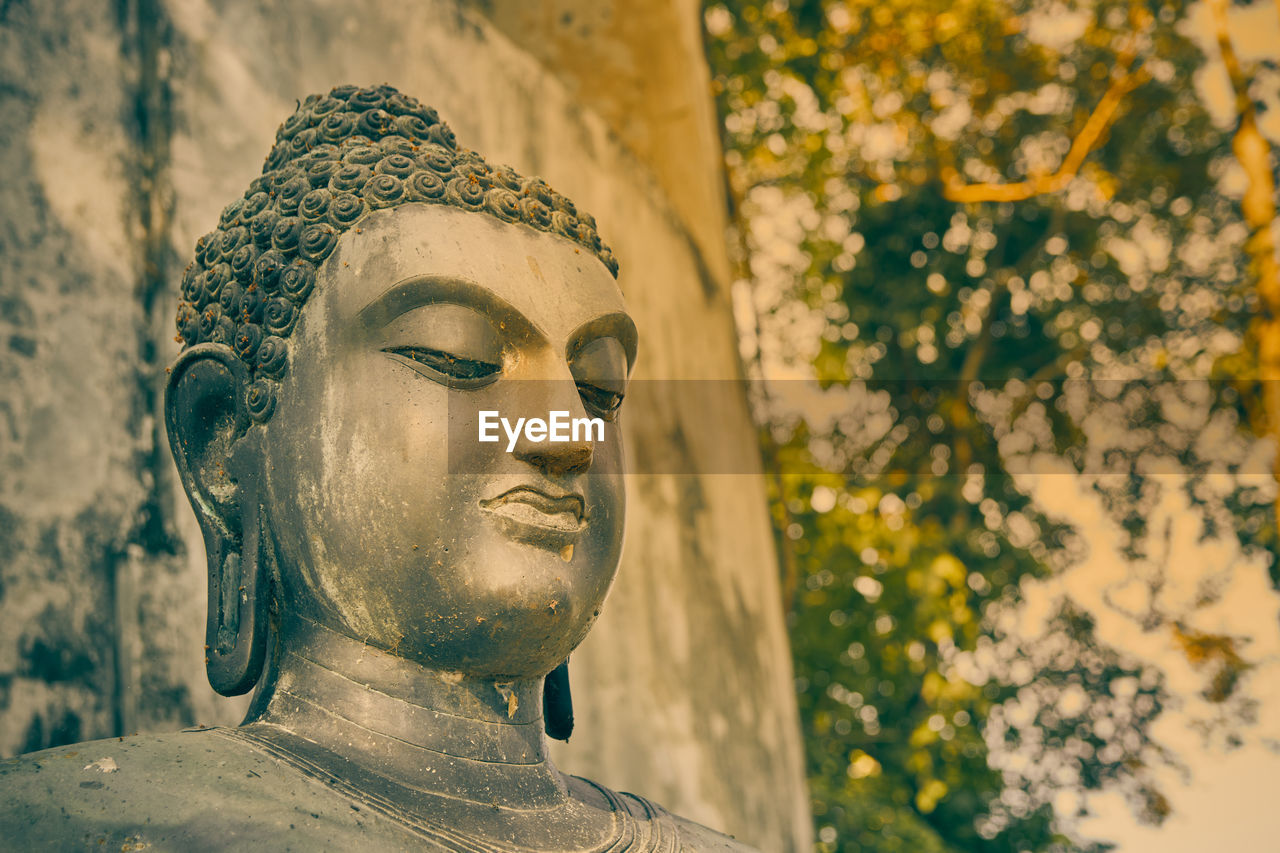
x,y
657,829
204,789
696,837
191,790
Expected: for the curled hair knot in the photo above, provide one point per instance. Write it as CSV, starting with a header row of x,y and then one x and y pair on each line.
x,y
441,134
209,318
465,192
564,224
260,399
188,322
273,356
344,209
535,213
350,178
398,165
224,331
324,107
266,270
229,299
437,159
318,240
361,155
412,127
297,280
263,225
315,206
242,262
503,204
383,191
337,127
396,144
279,316
374,123
254,204
248,337
215,279
366,99
290,195
284,238
426,186
231,213
320,172
250,307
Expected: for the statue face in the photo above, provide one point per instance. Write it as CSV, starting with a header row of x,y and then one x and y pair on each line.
x,y
394,523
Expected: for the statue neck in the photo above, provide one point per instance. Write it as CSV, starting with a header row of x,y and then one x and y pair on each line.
x,y
431,732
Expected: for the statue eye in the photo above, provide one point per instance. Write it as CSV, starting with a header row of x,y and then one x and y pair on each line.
x,y
600,402
599,370
452,370
451,344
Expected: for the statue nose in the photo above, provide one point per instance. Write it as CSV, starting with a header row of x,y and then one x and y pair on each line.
x,y
550,398
556,459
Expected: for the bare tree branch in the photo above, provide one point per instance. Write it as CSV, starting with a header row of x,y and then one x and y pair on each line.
x,y
1123,81
954,188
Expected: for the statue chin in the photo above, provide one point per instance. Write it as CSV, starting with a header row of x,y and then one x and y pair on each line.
x,y
401,594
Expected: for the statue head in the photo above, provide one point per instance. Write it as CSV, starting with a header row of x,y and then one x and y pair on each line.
x,y
374,288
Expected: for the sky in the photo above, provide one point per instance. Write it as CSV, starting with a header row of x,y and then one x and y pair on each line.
x,y
1222,798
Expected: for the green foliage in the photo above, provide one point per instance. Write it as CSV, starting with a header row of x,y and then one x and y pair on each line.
x,y
875,153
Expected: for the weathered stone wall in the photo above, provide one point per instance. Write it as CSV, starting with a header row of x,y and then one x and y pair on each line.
x,y
86,555
128,130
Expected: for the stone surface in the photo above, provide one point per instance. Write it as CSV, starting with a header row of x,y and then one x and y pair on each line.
x,y
77,493
131,131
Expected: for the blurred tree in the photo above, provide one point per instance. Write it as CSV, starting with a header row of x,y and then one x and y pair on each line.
x,y
1259,362
1000,232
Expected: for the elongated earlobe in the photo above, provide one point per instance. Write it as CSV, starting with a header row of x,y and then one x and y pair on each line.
x,y
557,703
219,461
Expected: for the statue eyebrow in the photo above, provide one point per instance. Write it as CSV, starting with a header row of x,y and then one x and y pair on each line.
x,y
617,325
411,293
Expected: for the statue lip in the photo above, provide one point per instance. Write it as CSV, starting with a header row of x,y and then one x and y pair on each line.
x,y
533,515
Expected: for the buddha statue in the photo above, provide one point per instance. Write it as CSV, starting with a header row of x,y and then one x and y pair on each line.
x,y
400,597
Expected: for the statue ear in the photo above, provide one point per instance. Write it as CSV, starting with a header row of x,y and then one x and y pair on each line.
x,y
220,462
